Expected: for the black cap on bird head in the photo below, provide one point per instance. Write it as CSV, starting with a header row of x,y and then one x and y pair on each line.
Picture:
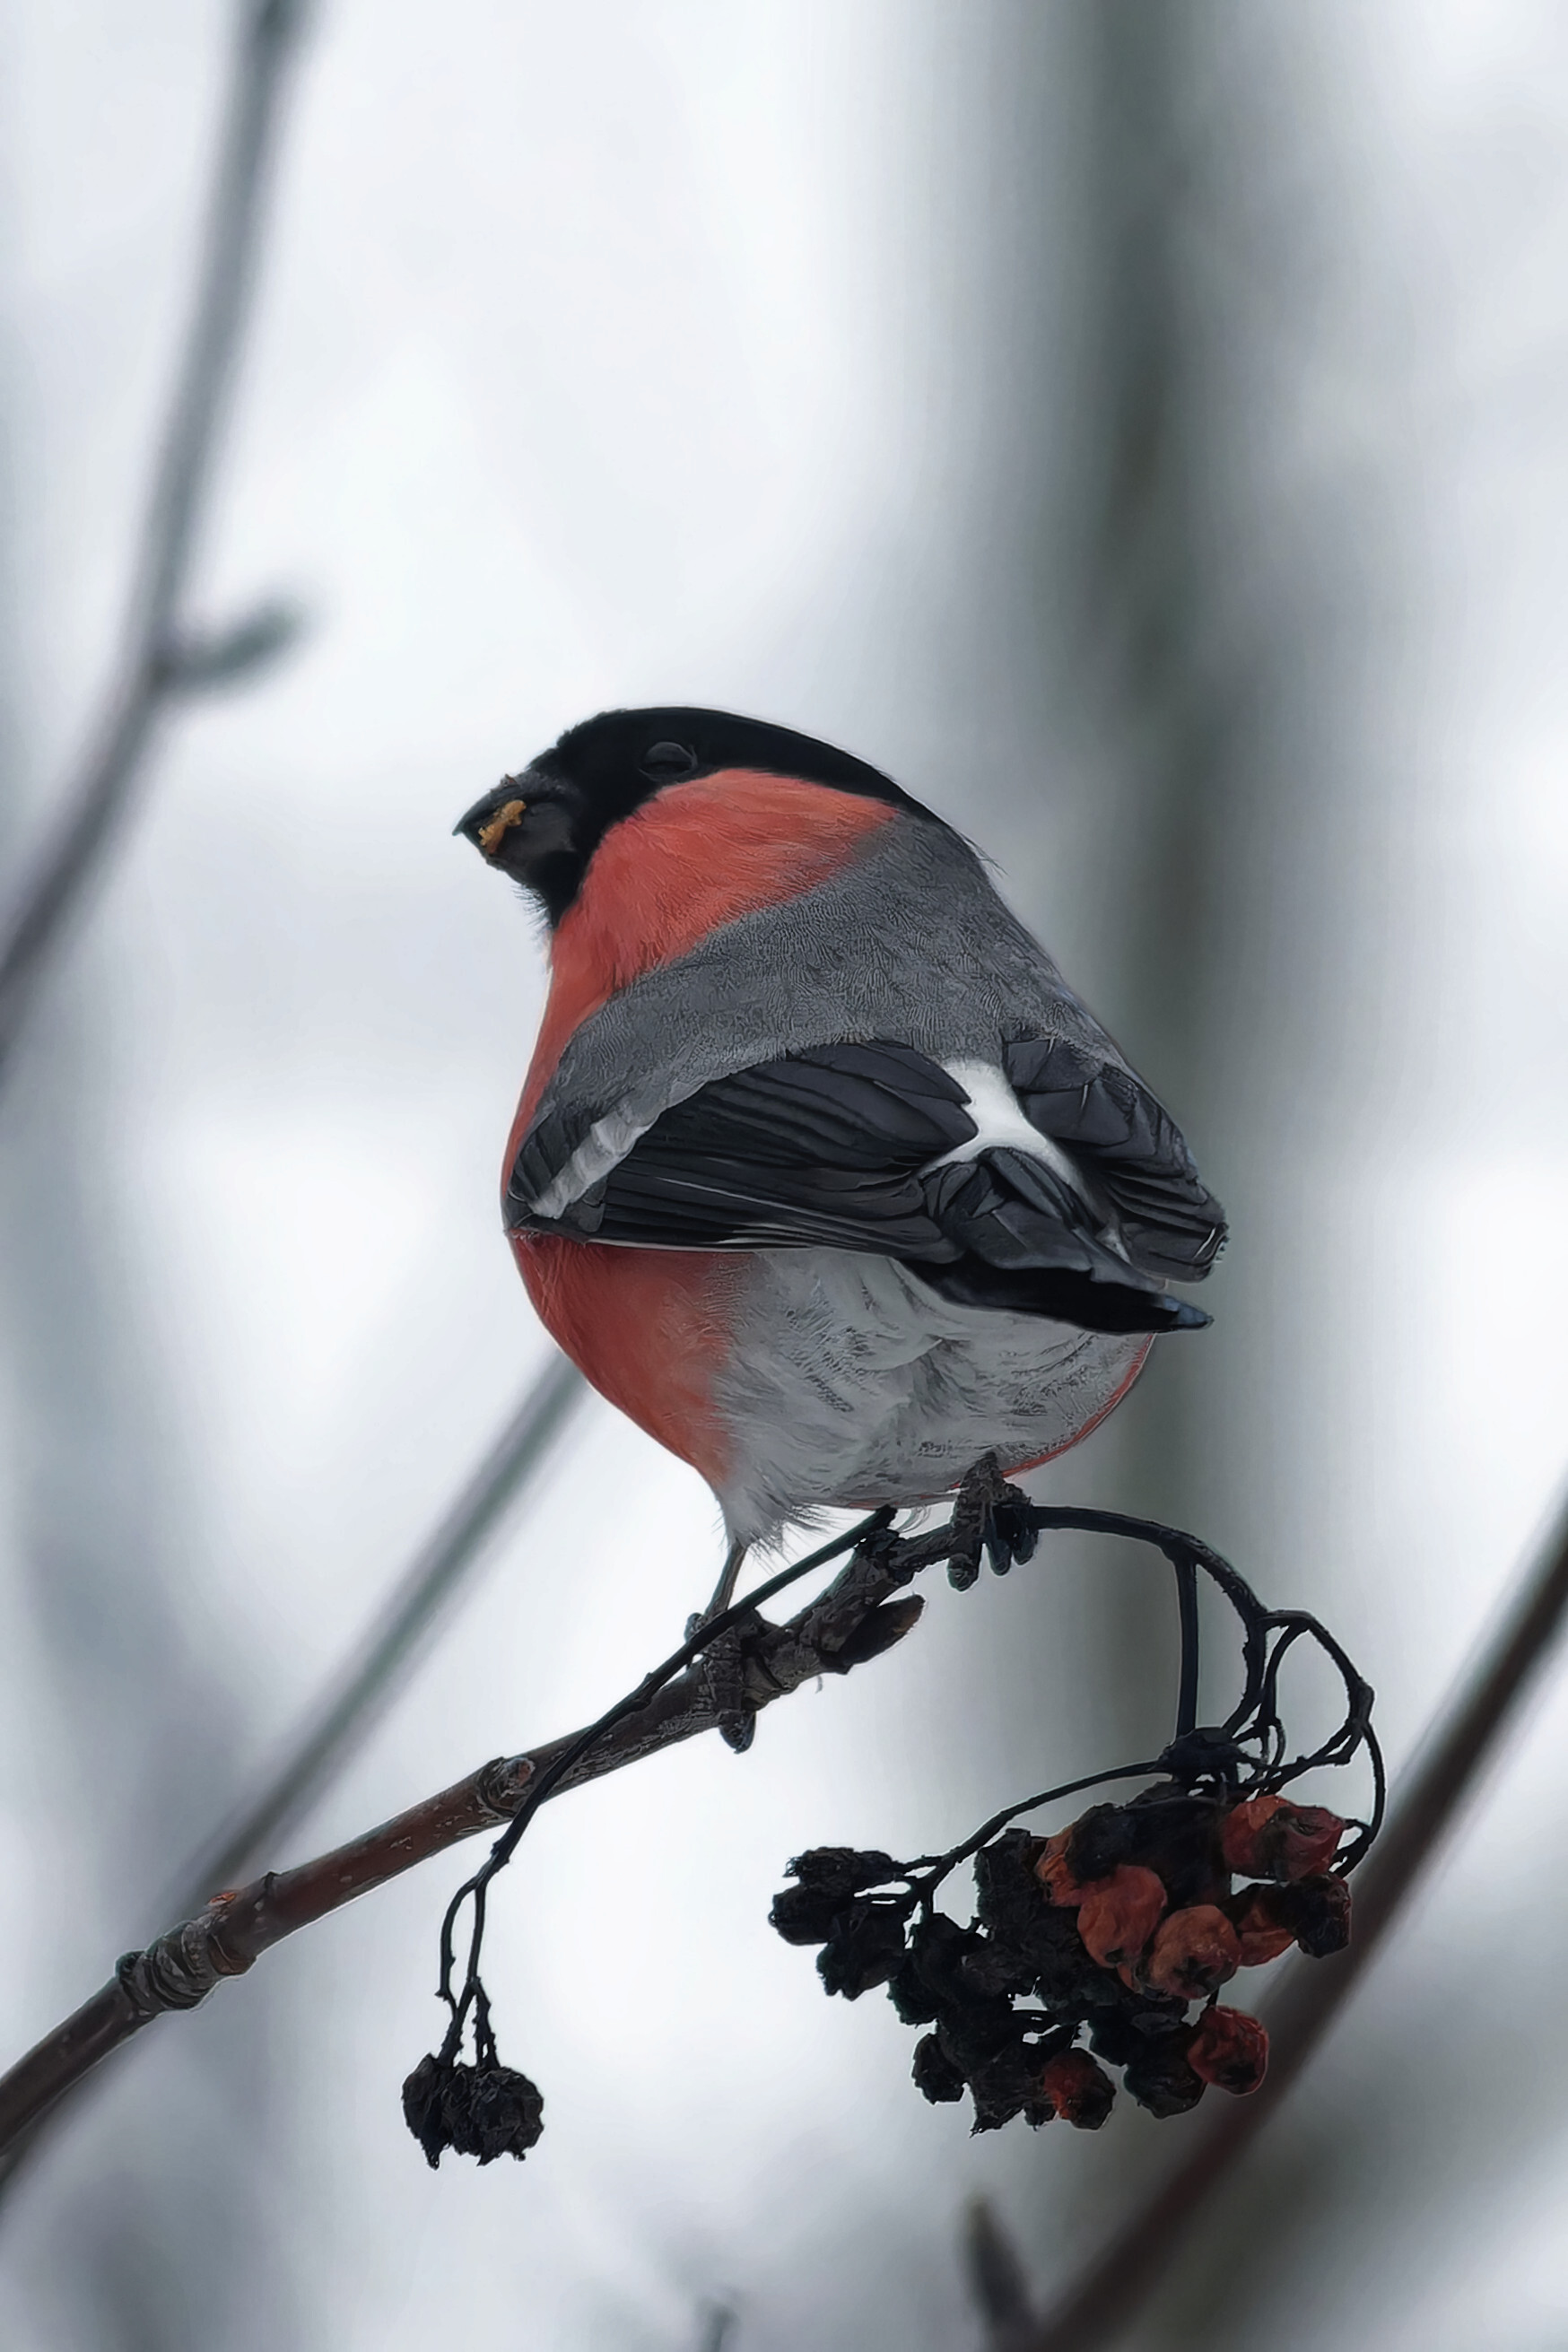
x,y
543,826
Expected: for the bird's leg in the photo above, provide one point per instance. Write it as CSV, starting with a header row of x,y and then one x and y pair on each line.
x,y
724,1665
724,1591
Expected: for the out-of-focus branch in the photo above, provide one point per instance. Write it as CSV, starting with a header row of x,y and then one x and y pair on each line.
x,y
160,660
862,1612
997,2285
719,2321
339,1722
1103,2301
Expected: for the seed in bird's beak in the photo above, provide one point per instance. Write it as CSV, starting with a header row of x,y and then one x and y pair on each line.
x,y
499,825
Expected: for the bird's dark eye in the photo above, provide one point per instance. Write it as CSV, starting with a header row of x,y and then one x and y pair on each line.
x,y
664,762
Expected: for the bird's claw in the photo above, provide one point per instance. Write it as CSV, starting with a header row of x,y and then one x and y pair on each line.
x,y
990,1519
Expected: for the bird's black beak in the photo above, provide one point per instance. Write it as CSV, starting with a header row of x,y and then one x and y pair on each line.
x,y
489,822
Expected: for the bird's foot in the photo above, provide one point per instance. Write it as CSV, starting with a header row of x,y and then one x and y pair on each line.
x,y
722,1669
990,1519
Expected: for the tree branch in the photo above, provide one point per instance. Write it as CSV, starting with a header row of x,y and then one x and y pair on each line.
x,y
1107,2295
158,661
861,1613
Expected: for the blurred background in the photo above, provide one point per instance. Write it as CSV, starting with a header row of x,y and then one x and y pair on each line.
x,y
1144,431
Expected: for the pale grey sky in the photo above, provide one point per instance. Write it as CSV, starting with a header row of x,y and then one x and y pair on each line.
x,y
631,352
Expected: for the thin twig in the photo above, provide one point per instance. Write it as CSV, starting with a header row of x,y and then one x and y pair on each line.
x,y
1107,2295
158,659
861,1613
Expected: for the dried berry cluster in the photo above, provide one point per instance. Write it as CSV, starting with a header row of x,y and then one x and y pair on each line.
x,y
487,2110
1114,1926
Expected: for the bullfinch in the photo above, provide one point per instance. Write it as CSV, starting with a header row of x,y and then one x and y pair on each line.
x,y
821,1171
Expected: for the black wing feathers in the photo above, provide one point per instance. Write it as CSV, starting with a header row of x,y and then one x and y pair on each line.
x,y
820,1147
1128,1146
868,1106
826,1146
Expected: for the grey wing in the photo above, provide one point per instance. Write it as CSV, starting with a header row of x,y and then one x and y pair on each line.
x,y
1128,1146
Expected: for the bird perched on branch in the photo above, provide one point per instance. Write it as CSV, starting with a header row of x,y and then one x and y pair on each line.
x,y
821,1171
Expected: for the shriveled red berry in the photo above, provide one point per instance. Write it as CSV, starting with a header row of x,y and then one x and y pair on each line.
x,y
1268,1837
1261,1931
1080,2091
1118,1915
1055,1872
1194,1951
1229,2050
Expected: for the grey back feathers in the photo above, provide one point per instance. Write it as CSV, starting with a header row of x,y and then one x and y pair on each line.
x,y
908,941
810,1044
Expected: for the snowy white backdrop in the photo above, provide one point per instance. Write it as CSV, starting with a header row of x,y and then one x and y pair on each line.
x,y
781,359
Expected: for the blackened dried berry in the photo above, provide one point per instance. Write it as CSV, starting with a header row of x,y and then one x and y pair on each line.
x,y
935,2076
865,1948
1319,1912
938,1949
1160,2077
1314,1913
1153,2012
1113,2035
805,1914
481,2111
504,2113
830,1877
423,2102
1029,1938
1007,2084
976,2030
911,1996
998,1967
1099,1842
1008,1897
843,1870
975,2026
1071,1983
